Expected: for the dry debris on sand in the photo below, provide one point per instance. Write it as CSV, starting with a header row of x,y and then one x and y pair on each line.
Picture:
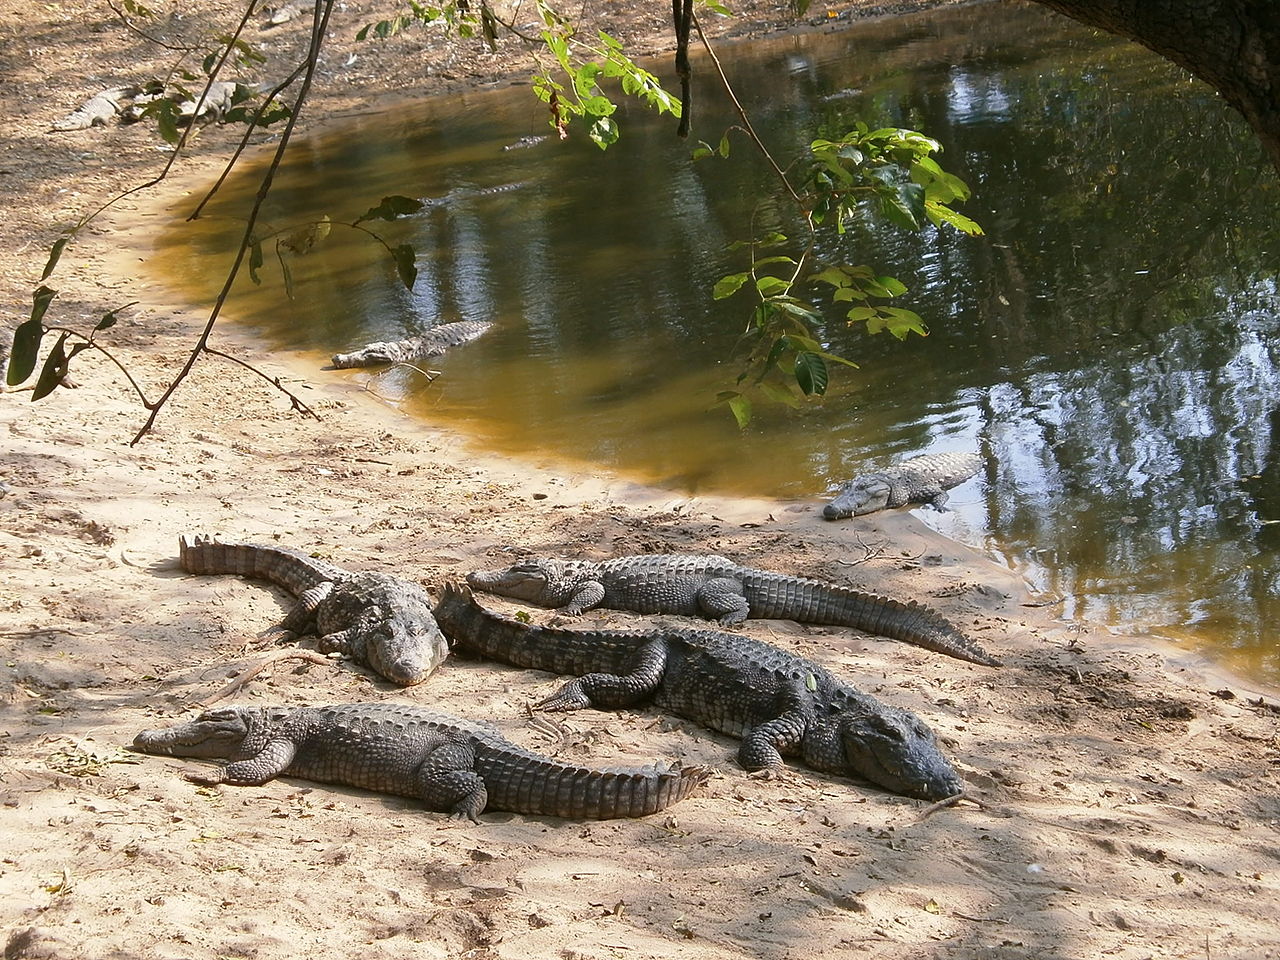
x,y
1129,807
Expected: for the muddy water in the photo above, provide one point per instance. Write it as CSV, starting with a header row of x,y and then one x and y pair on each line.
x,y
1110,347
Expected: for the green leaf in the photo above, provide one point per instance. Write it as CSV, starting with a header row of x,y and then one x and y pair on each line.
x,y
723,149
902,322
939,214
55,254
904,207
779,394
26,347
811,373
40,300
109,319
771,286
392,207
741,407
727,286
54,369
604,132
405,256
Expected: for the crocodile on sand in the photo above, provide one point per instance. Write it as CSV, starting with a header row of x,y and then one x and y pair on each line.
x,y
719,589
375,619
458,766
778,703
919,480
432,343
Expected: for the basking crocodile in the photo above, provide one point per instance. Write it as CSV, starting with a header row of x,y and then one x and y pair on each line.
x,y
459,766
778,703
374,619
919,480
717,588
432,343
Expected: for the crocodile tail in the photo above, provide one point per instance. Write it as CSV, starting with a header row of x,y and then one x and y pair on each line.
x,y
527,783
474,628
772,596
202,553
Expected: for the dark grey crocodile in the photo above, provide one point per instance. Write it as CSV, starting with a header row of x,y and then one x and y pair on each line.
x,y
374,619
432,343
717,588
778,703
919,480
459,766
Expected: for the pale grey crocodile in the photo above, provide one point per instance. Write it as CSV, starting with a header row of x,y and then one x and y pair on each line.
x,y
375,619
717,588
919,480
779,704
432,343
458,766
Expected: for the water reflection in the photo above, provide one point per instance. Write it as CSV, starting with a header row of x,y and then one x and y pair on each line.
x,y
1110,346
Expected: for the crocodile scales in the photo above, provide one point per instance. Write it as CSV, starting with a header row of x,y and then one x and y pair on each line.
x,y
432,343
375,619
778,703
717,588
918,480
459,766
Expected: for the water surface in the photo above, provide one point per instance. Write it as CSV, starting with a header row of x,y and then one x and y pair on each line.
x,y
1110,346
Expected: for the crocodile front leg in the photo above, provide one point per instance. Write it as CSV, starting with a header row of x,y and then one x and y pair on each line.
x,y
763,746
586,596
611,689
265,765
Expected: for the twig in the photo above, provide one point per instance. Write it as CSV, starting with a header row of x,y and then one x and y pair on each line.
x,y
951,801
869,552
292,654
294,399
320,23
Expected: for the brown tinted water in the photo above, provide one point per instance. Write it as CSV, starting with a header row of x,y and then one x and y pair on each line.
x,y
1110,346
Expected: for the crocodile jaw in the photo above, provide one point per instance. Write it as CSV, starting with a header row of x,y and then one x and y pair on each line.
x,y
898,752
529,580
861,496
214,735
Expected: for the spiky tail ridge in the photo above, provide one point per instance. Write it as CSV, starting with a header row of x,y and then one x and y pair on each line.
x,y
527,783
772,596
203,554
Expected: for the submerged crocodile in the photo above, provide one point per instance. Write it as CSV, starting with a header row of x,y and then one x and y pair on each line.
x,y
462,767
374,619
432,343
717,588
919,480
778,703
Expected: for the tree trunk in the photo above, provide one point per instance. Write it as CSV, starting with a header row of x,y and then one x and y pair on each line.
x,y
1233,45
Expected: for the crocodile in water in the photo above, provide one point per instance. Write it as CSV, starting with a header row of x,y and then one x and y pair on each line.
x,y
372,618
778,703
919,480
430,344
715,587
462,767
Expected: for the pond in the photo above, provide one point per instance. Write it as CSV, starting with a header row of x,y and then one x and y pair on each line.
x,y
1109,347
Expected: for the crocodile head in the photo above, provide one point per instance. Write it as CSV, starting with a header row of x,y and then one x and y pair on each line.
x,y
380,351
863,495
228,733
534,580
896,750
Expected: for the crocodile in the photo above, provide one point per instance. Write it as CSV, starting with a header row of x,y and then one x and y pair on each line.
x,y
458,766
779,704
375,619
432,343
97,110
719,589
919,480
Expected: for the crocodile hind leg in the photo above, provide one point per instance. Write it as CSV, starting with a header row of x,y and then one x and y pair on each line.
x,y
267,764
447,781
301,617
613,689
721,599
763,746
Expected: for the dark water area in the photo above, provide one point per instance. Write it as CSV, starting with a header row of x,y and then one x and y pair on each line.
x,y
1110,346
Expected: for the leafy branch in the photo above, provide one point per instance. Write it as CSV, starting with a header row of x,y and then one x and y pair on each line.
x,y
888,170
